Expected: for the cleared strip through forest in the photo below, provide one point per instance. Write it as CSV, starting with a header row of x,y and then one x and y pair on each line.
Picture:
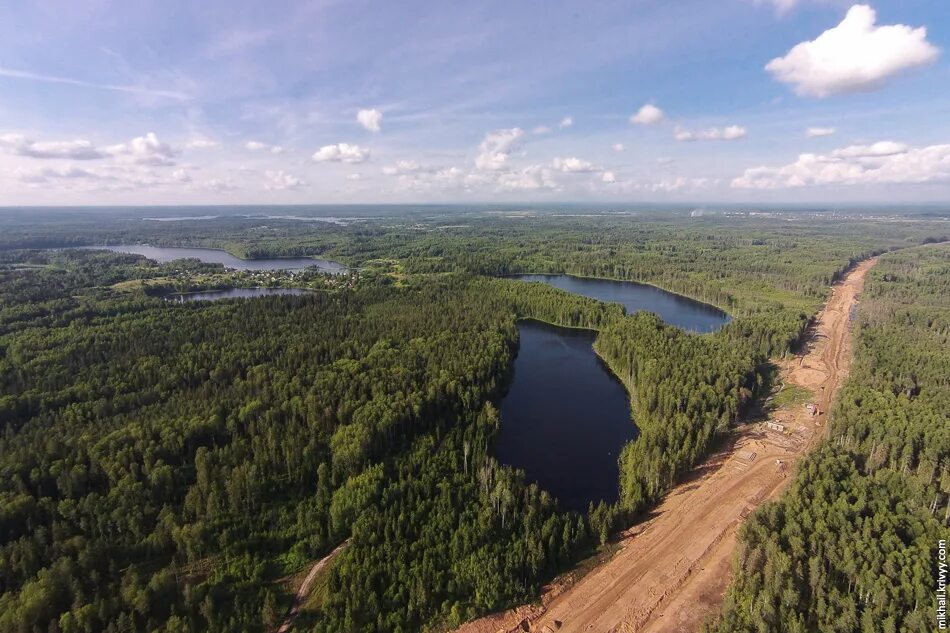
x,y
671,571
304,589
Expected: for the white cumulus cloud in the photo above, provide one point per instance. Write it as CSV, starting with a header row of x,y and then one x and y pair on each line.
x,y
617,147
341,153
147,150
280,181
79,149
677,183
816,132
573,165
609,177
143,150
881,148
370,119
730,133
668,184
877,163
857,55
258,146
405,167
566,122
648,114
181,175
115,177
532,178
201,142
494,150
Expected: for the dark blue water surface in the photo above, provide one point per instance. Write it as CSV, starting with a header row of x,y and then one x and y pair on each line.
x,y
233,293
565,417
674,309
213,256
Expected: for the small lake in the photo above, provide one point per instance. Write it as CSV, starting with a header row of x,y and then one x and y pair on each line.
x,y
164,254
682,312
565,417
233,293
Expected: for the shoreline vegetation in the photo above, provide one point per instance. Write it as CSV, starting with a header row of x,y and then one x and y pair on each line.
x,y
164,467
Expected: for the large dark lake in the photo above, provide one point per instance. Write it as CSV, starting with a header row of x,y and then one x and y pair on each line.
x,y
214,256
566,417
674,309
233,293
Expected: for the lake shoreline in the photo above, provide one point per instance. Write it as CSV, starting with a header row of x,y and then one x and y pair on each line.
x,y
251,293
166,254
626,281
565,415
682,312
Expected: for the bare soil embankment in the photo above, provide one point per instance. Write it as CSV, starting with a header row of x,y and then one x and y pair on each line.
x,y
672,570
304,589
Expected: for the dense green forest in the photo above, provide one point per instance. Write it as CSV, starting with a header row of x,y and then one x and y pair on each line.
x,y
685,391
747,264
162,463
164,466
852,545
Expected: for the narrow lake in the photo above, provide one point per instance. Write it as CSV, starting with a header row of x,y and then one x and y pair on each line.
x,y
674,309
233,293
565,417
215,256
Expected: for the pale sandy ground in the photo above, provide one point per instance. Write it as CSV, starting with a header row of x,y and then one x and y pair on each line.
x,y
672,570
304,589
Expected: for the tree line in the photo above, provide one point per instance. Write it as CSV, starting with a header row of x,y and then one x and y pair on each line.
x,y
852,545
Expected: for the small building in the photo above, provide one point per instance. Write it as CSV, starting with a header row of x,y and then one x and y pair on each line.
x,y
775,426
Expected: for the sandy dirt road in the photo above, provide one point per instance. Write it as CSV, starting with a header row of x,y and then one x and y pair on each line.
x,y
672,570
304,589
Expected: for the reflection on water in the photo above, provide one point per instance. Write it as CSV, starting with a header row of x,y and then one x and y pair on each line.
x,y
233,293
674,309
565,417
214,256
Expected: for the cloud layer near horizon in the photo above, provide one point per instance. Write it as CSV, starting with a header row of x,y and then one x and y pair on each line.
x,y
329,103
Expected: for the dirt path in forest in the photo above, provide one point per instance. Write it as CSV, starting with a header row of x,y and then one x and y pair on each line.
x,y
304,590
672,570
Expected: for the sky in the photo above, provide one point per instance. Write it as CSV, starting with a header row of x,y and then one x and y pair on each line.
x,y
352,101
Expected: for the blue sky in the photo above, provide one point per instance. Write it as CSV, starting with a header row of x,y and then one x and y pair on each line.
x,y
248,102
